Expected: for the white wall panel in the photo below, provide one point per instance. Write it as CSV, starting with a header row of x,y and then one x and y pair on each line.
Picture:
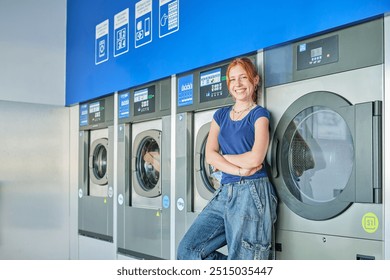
x,y
32,51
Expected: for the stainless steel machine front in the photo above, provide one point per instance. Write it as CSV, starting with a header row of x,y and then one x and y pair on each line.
x,y
205,178
325,96
144,170
96,136
199,94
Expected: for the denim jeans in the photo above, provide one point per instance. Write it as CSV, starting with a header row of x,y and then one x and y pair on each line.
x,y
240,215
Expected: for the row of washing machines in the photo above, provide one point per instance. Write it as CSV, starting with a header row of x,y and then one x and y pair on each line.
x,y
325,96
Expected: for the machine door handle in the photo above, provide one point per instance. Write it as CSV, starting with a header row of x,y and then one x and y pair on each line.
x,y
274,158
90,162
198,158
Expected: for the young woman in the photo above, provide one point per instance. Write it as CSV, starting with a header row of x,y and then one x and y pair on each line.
x,y
243,210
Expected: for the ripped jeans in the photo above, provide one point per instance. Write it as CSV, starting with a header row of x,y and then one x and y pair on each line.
x,y
240,215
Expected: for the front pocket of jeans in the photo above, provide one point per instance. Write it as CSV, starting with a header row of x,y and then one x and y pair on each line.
x,y
256,199
255,251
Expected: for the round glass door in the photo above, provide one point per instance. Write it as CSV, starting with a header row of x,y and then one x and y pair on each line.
x,y
313,156
100,161
148,163
320,155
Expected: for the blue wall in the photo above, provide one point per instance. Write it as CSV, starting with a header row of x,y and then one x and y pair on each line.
x,y
207,32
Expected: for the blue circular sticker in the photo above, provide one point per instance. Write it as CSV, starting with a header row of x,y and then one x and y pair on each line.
x,y
165,201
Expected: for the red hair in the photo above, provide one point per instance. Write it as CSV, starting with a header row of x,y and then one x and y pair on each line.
x,y
250,70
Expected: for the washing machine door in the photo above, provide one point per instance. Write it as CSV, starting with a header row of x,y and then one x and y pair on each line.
x,y
147,163
317,152
206,178
98,161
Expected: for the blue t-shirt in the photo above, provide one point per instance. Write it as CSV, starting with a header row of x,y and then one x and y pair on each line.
x,y
238,137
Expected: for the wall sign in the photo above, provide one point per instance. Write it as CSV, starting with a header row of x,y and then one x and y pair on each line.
x,y
121,31
115,45
169,17
101,42
143,23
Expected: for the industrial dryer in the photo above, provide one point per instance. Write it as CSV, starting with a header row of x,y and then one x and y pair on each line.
x,y
144,188
325,96
199,94
96,136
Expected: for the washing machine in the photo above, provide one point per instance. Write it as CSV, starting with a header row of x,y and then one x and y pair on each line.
x,y
144,171
96,135
199,94
325,96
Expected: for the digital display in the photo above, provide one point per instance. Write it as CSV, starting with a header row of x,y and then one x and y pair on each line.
x,y
318,53
213,84
141,95
96,112
210,78
144,101
94,107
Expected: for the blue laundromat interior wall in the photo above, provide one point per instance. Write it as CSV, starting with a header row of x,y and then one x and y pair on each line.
x,y
114,45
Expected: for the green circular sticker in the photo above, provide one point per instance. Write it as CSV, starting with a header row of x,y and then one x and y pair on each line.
x,y
370,222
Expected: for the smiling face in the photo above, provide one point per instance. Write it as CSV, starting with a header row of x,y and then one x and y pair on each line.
x,y
242,80
239,85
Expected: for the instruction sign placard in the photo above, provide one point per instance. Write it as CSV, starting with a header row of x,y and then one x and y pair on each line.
x,y
143,22
101,42
83,114
124,105
168,17
185,92
121,32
